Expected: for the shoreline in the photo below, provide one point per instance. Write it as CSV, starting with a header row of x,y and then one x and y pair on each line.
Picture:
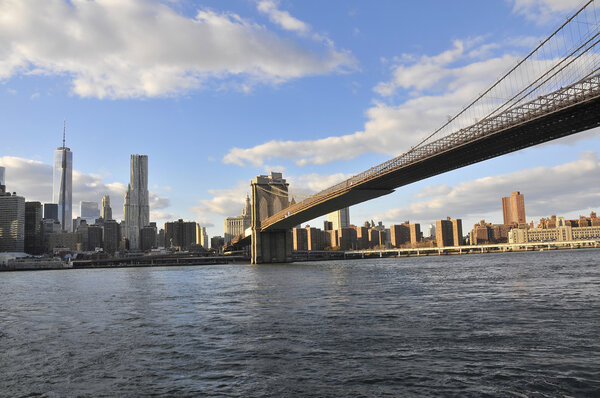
x,y
297,257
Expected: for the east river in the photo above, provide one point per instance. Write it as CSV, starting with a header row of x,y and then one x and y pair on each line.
x,y
508,325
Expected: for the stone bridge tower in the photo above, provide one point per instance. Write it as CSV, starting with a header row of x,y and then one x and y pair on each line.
x,y
269,195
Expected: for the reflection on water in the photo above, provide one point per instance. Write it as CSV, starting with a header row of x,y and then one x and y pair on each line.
x,y
521,324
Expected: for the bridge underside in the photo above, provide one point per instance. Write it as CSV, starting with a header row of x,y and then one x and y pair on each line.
x,y
576,118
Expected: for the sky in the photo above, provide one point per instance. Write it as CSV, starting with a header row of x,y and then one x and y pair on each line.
x,y
218,92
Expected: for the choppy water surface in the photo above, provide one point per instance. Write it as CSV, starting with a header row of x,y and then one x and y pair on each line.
x,y
522,324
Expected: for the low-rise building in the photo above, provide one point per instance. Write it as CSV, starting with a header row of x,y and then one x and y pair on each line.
x,y
563,233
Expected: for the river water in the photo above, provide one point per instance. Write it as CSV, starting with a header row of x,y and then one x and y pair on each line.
x,y
517,324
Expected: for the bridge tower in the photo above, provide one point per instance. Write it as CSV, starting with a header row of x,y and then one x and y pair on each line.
x,y
269,195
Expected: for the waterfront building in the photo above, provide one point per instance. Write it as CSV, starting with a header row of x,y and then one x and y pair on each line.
x,y
457,234
513,209
362,237
202,237
94,237
415,233
81,227
563,233
235,226
62,185
12,222
51,211
161,238
400,234
148,237
374,238
299,239
106,209
444,233
2,179
346,238
330,238
180,234
339,219
217,242
136,208
49,226
89,211
67,240
314,238
486,233
33,228
112,236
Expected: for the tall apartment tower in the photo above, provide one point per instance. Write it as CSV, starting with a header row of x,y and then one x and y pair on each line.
x,y
202,237
339,219
513,209
62,185
136,208
33,228
106,209
12,221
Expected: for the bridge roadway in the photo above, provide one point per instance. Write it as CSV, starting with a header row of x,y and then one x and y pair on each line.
x,y
567,111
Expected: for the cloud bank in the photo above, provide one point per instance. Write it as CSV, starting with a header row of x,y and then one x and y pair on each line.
x,y
143,48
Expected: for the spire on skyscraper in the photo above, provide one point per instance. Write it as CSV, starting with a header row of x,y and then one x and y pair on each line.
x,y
64,131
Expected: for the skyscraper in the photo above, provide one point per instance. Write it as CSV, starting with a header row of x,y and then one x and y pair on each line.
x,y
106,209
12,223
339,219
33,228
136,208
513,208
202,237
62,185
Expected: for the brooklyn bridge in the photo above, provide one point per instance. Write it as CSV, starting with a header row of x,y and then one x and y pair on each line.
x,y
551,93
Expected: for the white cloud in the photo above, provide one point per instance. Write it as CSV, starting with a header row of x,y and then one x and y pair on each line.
x,y
143,48
227,202
282,18
567,188
33,180
434,89
439,89
545,11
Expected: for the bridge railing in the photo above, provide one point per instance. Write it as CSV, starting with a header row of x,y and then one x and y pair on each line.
x,y
575,93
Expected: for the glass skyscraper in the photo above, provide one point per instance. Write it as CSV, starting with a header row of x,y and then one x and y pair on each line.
x,y
62,186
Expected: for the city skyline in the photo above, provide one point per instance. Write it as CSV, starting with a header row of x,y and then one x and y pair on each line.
x,y
352,85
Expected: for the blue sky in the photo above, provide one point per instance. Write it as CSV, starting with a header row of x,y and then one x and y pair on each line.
x,y
218,92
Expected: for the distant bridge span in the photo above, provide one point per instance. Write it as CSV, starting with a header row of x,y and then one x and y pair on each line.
x,y
563,112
